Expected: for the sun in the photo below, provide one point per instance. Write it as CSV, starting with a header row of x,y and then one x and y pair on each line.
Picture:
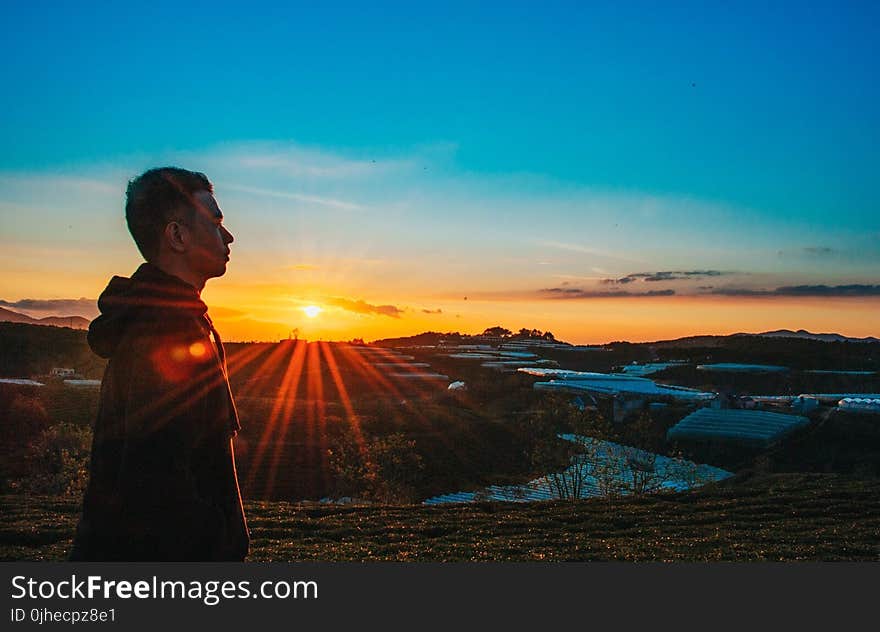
x,y
312,310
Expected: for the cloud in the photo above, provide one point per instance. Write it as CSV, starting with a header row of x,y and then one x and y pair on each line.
x,y
850,290
854,289
809,251
622,280
665,275
819,251
432,311
305,162
55,183
85,307
569,293
578,248
299,197
362,307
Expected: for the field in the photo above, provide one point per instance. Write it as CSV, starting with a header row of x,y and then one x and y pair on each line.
x,y
762,518
813,496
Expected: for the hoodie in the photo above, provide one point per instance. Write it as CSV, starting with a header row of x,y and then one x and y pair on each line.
x,y
162,482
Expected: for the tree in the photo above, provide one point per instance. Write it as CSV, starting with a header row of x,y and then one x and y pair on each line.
x,y
498,332
384,468
593,463
554,416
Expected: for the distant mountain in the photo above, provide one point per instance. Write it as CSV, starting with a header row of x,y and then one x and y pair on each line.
x,y
718,341
692,341
74,322
803,333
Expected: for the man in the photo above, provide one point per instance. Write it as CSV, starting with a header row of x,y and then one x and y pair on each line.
x,y
163,484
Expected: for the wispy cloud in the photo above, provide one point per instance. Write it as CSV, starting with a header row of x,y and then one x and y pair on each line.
x,y
819,251
575,293
54,183
362,307
299,161
854,290
85,307
299,197
810,252
665,275
587,250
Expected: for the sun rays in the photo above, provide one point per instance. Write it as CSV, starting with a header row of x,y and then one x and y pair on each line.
x,y
298,395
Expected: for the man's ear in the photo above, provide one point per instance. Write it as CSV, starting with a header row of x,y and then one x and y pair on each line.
x,y
176,236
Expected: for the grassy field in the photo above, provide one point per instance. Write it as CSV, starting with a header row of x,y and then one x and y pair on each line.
x,y
816,497
779,517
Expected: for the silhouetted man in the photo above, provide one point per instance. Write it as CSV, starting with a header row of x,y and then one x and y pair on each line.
x,y
163,484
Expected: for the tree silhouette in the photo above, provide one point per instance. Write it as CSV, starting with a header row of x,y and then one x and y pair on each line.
x,y
498,332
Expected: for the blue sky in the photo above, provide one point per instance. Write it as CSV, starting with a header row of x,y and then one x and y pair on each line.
x,y
687,136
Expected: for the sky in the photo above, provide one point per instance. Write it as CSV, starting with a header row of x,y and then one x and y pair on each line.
x,y
603,172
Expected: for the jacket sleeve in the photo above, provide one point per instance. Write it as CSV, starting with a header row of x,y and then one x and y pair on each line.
x,y
165,418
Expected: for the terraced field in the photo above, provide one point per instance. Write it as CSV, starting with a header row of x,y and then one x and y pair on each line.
x,y
781,517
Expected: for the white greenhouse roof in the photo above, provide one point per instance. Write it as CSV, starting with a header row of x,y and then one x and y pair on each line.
x,y
418,376
836,372
639,370
523,363
81,383
825,398
860,405
565,374
631,386
735,367
603,467
750,427
402,365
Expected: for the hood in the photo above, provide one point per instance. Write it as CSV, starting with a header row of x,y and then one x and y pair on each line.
x,y
143,299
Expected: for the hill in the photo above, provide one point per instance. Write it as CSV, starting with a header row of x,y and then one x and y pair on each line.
x,y
803,333
27,350
74,322
756,518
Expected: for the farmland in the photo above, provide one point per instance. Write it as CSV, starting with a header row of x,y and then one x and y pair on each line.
x,y
303,406
781,517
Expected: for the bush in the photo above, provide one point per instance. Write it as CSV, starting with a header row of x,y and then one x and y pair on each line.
x,y
385,468
58,461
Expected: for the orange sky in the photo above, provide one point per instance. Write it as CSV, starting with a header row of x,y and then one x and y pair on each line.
x,y
584,321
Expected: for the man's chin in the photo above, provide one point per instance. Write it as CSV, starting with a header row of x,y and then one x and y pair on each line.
x,y
218,272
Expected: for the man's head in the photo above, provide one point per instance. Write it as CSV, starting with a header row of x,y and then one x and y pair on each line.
x,y
177,225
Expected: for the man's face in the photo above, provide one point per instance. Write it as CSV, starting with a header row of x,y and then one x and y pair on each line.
x,y
209,240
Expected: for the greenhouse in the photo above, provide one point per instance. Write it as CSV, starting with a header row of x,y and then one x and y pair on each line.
x,y
603,469
748,427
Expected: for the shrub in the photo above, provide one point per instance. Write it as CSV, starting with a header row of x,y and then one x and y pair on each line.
x,y
58,461
385,468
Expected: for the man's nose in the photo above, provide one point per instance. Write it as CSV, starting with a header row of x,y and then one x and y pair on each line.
x,y
227,236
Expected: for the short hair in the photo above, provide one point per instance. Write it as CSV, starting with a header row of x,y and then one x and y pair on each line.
x,y
157,197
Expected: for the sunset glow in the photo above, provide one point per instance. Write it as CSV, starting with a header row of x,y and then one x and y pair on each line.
x,y
312,310
603,177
